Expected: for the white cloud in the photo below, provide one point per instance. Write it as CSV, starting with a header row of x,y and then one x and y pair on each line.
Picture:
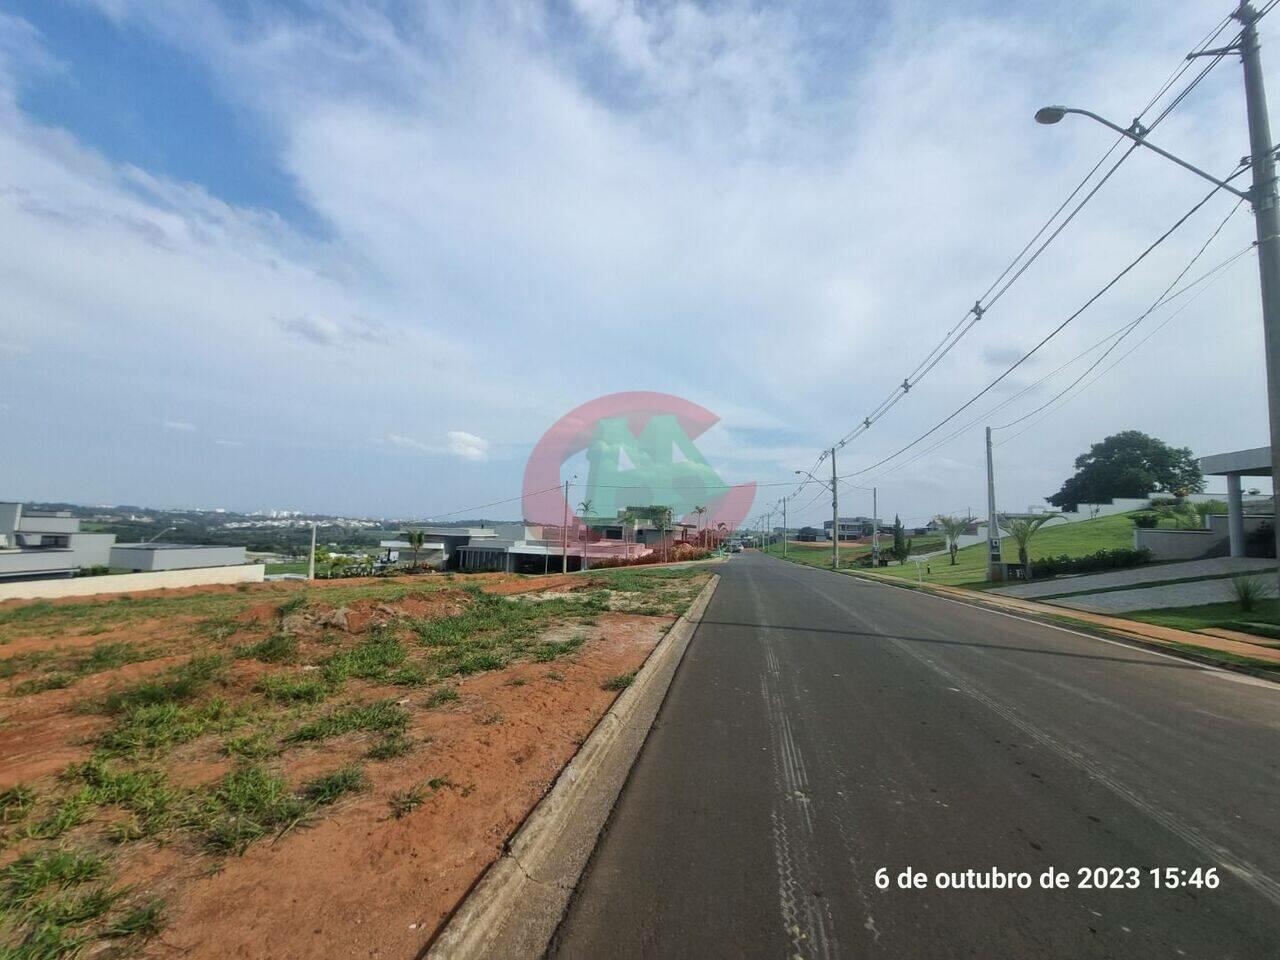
x,y
183,425
467,445
229,443
759,206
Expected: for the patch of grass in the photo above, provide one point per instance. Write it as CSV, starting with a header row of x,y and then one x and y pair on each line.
x,y
332,786
377,658
277,648
294,687
48,681
62,671
16,803
493,630
75,909
391,746
292,605
177,685
160,725
70,812
404,802
1057,539
380,715
439,783
1228,615
440,696
144,792
143,921
250,746
33,873
219,629
553,649
248,804
620,682
554,676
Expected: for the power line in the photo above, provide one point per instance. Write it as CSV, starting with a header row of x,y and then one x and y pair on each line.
x,y
1120,359
1132,326
1053,333
1210,276
976,312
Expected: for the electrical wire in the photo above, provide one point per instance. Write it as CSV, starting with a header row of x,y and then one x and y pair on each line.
x,y
975,313
1208,277
1156,329
1134,325
1053,333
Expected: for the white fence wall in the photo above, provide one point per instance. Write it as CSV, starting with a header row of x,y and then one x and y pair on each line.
x,y
129,582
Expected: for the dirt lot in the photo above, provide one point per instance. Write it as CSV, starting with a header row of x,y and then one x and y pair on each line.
x,y
292,770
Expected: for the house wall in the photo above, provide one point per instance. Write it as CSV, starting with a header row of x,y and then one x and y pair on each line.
x,y
131,557
129,582
1176,544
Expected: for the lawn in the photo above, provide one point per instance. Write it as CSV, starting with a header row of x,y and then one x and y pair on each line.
x,y
297,566
1263,620
970,570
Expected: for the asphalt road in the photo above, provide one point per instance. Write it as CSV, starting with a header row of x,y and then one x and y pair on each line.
x,y
822,727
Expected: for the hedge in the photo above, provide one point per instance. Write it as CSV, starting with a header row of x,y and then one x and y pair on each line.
x,y
1101,560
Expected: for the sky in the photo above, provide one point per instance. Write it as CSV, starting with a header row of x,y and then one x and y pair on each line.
x,y
357,257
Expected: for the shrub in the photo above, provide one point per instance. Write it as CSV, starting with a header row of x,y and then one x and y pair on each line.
x,y
1145,521
1101,560
1248,591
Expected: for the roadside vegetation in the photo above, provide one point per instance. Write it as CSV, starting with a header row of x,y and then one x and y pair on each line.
x,y
970,567
253,681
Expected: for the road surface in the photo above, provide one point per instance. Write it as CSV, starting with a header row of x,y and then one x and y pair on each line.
x,y
823,727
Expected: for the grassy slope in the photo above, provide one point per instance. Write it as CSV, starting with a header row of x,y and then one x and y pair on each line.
x,y
1074,539
1228,615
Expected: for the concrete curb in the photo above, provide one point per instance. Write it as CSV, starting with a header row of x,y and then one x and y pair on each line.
x,y
514,910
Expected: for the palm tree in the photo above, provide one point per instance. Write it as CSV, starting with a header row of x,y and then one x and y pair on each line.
x,y
1022,529
952,528
700,512
415,538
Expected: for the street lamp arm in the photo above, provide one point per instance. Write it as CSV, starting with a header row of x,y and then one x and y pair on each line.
x,y
1049,115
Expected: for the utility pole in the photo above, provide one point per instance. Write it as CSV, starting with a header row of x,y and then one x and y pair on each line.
x,y
835,515
875,529
784,528
1266,218
1261,196
311,564
564,533
995,570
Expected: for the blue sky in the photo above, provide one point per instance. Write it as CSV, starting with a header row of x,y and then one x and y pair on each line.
x,y
358,256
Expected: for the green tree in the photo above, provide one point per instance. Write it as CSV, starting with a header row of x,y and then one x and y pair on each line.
x,y
700,512
415,538
1022,530
952,528
901,548
1129,464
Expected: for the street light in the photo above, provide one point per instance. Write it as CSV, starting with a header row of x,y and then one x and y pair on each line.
x,y
1261,196
1138,134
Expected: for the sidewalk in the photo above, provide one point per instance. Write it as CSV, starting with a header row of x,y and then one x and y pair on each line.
x,y
1145,632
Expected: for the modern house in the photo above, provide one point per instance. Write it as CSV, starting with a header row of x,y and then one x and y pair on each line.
x,y
149,557
37,545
